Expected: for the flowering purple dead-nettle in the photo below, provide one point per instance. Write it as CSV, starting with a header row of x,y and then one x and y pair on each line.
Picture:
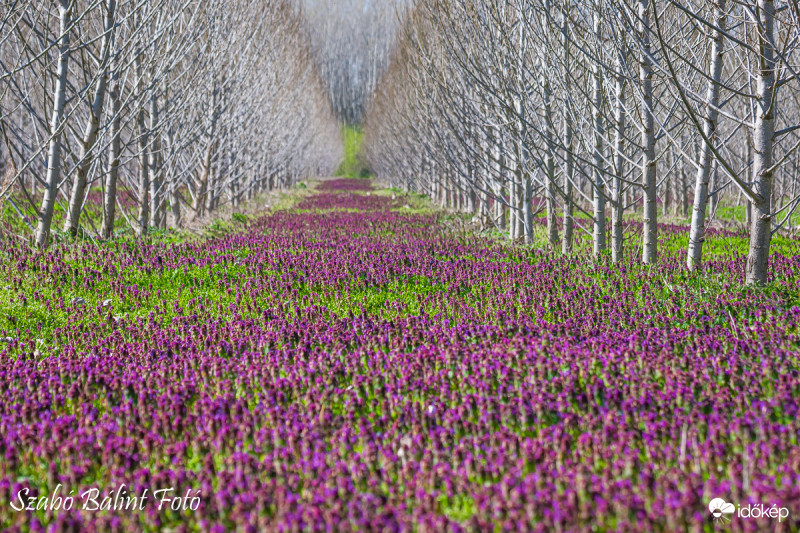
x,y
355,365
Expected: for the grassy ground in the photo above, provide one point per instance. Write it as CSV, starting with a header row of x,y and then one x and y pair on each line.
x,y
352,166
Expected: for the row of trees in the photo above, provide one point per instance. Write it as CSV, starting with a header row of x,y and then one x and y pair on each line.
x,y
351,41
165,109
511,107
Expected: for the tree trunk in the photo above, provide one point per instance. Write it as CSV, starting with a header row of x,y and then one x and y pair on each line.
x,y
54,149
697,229
669,197
763,141
171,184
684,192
599,238
205,173
549,158
617,202
713,195
92,127
650,228
566,243
144,170
519,202
675,176
110,199
155,163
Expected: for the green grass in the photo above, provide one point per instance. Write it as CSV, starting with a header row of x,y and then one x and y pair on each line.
x,y
352,166
739,213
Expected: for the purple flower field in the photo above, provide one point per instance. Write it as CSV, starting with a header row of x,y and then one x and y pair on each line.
x,y
350,367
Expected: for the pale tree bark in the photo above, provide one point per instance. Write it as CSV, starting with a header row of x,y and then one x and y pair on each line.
x,y
522,172
155,163
698,225
549,156
498,207
110,197
598,180
677,182
171,184
748,204
617,200
684,193
650,228
92,127
54,150
763,143
144,170
566,243
205,173
517,229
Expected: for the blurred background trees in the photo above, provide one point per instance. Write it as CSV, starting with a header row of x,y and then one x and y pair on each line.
x,y
351,42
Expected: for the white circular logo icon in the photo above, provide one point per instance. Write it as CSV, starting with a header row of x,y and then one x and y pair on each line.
x,y
720,510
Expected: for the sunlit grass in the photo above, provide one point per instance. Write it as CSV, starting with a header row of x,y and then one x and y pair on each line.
x,y
352,166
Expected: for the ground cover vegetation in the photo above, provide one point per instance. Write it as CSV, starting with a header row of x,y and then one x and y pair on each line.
x,y
353,364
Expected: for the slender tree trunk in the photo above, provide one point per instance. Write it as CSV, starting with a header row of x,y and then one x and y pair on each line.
x,y
525,215
566,243
789,225
650,229
110,199
515,202
92,127
213,177
499,208
205,173
597,171
155,163
175,204
519,201
144,175
618,202
143,146
549,157
676,176
528,198
472,202
54,149
550,169
172,184
485,208
697,229
669,197
713,195
763,141
684,188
